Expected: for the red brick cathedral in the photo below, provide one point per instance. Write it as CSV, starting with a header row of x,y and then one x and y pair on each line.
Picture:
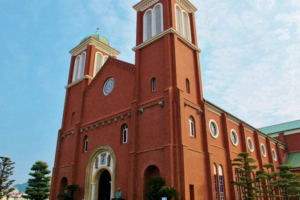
x,y
123,123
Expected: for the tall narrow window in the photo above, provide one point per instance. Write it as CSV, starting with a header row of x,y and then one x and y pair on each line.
x,y
158,19
192,192
73,117
187,86
86,141
192,126
221,179
216,182
186,26
76,66
153,84
148,25
125,133
178,19
81,66
98,63
237,187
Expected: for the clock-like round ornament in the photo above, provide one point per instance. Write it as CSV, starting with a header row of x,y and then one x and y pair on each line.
x,y
108,86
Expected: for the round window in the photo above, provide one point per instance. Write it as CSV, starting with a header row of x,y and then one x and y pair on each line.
x,y
250,144
108,86
213,127
274,155
263,150
234,137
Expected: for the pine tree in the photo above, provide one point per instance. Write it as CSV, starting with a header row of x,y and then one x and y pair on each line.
x,y
6,170
289,186
69,192
267,181
38,187
244,168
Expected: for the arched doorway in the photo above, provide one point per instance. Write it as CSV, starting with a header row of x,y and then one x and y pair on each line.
x,y
104,190
151,171
63,184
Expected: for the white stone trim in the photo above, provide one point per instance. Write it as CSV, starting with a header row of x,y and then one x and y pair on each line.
x,y
187,5
99,45
263,146
236,123
162,34
237,137
211,110
218,132
251,131
78,81
251,150
273,143
291,132
144,5
274,154
274,135
262,137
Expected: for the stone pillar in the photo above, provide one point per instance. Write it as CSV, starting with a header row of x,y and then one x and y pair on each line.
x,y
93,191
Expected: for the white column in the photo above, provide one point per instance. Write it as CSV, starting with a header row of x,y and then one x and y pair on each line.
x,y
93,191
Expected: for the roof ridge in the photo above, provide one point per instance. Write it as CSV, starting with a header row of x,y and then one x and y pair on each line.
x,y
280,124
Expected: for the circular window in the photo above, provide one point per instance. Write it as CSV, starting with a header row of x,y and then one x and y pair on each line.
x,y
108,86
274,155
263,150
234,137
250,144
213,127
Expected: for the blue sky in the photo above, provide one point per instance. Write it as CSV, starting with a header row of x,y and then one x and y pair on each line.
x,y
250,63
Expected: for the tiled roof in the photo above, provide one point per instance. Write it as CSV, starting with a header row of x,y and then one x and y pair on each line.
x,y
293,159
281,127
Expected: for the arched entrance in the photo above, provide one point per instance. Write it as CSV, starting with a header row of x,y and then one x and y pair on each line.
x,y
151,171
63,184
104,190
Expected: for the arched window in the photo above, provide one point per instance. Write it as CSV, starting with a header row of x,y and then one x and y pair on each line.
x,y
216,182
73,117
192,126
153,22
81,66
98,62
158,19
148,25
183,22
178,19
237,187
221,179
125,134
186,26
76,66
86,142
187,86
153,84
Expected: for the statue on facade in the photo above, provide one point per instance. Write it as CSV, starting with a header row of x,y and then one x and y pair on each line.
x,y
118,194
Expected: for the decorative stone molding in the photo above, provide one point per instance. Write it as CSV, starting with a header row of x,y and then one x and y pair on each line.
x,y
73,133
86,129
141,110
143,5
162,34
91,40
115,119
199,111
129,115
97,125
81,130
109,121
122,117
103,123
63,136
78,81
161,103
187,5
92,127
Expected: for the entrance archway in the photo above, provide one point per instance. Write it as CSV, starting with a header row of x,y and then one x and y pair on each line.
x,y
63,184
104,190
151,171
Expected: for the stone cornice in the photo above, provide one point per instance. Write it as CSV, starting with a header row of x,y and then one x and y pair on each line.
x,y
162,34
78,81
187,5
99,45
143,5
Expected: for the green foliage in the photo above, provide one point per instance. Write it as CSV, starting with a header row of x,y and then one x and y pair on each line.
x,y
159,190
244,168
288,184
267,182
169,192
38,187
6,170
69,192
